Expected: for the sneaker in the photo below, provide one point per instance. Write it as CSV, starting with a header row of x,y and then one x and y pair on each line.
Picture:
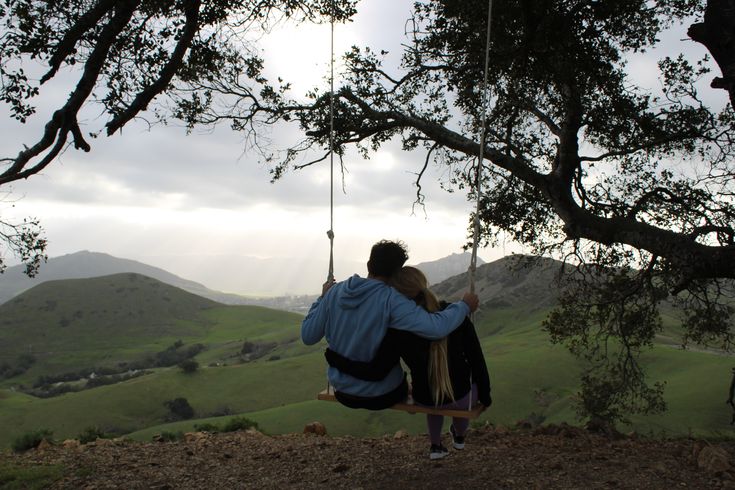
x,y
438,451
457,441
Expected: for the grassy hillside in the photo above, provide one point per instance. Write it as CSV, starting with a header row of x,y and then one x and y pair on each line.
x,y
530,379
128,317
81,314
138,316
79,323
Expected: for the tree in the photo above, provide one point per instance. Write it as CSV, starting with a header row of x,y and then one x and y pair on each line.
x,y
129,52
179,408
633,189
188,366
25,240
717,33
574,153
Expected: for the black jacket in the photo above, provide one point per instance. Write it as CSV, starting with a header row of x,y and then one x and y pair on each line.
x,y
464,357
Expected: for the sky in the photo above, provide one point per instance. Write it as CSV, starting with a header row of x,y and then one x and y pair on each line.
x,y
202,207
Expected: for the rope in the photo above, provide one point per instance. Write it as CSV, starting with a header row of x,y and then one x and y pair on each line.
x,y
469,404
478,170
330,232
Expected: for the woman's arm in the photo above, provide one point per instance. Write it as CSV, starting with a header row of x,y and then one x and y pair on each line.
x,y
473,352
384,361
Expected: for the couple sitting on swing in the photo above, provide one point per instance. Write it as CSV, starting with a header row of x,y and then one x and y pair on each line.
x,y
369,323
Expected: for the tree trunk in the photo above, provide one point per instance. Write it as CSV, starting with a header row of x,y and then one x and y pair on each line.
x,y
717,34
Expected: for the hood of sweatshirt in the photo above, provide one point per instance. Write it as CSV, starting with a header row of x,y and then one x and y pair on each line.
x,y
356,290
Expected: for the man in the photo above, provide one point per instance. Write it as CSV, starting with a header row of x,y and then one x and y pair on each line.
x,y
353,316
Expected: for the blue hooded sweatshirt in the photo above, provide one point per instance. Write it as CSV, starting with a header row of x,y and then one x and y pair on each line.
x,y
354,315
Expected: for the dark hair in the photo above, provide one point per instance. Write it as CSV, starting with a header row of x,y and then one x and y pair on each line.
x,y
387,258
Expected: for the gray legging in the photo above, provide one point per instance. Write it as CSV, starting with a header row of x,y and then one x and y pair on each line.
x,y
436,422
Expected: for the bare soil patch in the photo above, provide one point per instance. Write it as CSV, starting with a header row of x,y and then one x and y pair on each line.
x,y
546,458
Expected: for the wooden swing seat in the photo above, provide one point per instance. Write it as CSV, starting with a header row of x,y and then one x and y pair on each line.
x,y
412,408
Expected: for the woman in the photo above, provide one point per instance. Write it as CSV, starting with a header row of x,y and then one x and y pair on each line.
x,y
445,373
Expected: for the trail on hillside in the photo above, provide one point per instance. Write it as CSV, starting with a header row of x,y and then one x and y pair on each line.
x,y
546,458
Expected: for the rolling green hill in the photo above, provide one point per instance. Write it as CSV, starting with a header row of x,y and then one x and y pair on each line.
x,y
72,324
126,317
80,323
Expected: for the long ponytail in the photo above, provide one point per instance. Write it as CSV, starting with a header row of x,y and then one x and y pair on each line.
x,y
439,380
413,283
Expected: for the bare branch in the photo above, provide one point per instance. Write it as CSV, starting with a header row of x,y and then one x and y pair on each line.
x,y
419,196
647,145
312,162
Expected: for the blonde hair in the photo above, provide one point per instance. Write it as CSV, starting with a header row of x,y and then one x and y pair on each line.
x,y
412,283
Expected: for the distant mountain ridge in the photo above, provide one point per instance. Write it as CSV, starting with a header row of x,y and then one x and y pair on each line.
x,y
438,270
85,264
512,281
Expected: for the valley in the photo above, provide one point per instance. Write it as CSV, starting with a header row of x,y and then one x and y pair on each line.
x,y
251,363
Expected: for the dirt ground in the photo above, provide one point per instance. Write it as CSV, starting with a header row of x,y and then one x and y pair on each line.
x,y
554,457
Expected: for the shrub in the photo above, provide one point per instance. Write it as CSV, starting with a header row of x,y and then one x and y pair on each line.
x,y
206,427
31,440
180,409
22,364
23,476
26,360
51,391
221,411
251,351
13,372
91,434
239,423
194,350
189,366
168,436
174,354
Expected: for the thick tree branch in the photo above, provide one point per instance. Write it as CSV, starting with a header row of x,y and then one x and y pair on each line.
x,y
692,258
64,119
86,22
545,119
141,101
723,230
717,34
647,145
566,163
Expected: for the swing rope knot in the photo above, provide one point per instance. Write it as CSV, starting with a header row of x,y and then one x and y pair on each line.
x,y
330,234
